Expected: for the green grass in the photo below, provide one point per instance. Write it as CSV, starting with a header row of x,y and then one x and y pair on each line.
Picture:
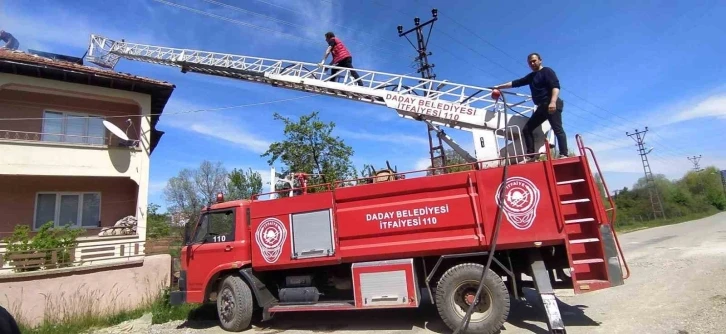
x,y
640,225
159,308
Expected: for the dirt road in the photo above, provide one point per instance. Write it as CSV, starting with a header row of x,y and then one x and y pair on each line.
x,y
676,286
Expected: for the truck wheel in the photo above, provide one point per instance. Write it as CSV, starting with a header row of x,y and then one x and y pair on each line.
x,y
455,291
234,304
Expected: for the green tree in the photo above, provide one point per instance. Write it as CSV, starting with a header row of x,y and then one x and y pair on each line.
x,y
157,224
242,185
695,192
309,147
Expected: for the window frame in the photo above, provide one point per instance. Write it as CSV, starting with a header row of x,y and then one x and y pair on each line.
x,y
56,214
64,116
193,240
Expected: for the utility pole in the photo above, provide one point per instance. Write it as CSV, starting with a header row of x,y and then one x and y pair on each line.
x,y
695,160
422,58
655,200
424,68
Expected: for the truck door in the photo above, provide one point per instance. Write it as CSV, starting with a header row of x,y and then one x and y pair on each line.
x,y
212,248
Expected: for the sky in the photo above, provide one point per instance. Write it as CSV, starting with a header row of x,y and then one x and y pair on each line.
x,y
622,66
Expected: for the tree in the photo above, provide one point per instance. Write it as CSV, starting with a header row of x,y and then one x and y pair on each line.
x,y
242,185
157,225
190,190
309,147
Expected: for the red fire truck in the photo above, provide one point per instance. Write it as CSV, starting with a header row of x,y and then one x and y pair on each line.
x,y
386,244
464,240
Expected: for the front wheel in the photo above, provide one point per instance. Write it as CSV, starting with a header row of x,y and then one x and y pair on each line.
x,y
234,304
456,290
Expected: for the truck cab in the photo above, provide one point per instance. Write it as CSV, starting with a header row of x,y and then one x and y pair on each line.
x,y
214,245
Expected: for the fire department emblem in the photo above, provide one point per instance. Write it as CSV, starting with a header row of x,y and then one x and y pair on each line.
x,y
271,235
520,201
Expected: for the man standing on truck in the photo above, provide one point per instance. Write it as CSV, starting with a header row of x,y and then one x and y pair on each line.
x,y
545,88
341,56
10,41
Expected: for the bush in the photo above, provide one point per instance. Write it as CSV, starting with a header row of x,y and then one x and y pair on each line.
x,y
49,240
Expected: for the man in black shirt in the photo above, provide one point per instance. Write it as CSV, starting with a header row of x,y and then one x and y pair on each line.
x,y
545,88
7,322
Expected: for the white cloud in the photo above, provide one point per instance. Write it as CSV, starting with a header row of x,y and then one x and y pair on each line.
x,y
68,28
713,106
220,126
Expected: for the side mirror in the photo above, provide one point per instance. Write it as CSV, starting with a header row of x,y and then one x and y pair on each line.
x,y
188,230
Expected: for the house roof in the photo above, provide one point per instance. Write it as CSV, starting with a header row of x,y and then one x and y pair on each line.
x,y
21,63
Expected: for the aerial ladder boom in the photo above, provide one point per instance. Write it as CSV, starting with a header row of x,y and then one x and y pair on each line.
x,y
436,102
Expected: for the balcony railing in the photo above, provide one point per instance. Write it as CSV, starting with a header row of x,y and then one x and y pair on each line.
x,y
89,251
54,138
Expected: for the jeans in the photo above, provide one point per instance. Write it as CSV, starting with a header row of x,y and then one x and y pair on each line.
x,y
555,119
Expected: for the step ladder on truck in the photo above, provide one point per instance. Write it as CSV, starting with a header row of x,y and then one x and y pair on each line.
x,y
463,239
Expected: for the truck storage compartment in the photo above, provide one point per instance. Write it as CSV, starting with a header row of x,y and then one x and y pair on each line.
x,y
389,283
312,234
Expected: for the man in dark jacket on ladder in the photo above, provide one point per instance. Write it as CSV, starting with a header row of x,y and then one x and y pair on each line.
x,y
341,56
545,88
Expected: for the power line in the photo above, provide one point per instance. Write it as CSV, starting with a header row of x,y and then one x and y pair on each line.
x,y
179,112
508,70
242,23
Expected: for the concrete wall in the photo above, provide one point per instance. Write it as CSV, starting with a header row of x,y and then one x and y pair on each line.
x,y
32,299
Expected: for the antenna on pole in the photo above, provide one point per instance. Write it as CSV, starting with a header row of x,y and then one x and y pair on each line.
x,y
695,160
424,68
650,181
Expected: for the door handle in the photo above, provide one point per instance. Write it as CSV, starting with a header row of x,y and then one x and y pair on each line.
x,y
228,248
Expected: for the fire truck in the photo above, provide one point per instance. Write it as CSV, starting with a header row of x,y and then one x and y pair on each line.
x,y
466,242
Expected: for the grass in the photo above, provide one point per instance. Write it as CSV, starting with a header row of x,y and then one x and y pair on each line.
x,y
631,226
90,317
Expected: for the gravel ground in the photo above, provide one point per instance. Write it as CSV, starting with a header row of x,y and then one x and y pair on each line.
x,y
676,286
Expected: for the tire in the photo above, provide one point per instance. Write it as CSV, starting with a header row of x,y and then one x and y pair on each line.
x,y
234,304
462,280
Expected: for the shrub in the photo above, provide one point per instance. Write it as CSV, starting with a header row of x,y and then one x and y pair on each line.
x,y
49,240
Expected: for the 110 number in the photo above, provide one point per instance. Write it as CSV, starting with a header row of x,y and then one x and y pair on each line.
x,y
219,238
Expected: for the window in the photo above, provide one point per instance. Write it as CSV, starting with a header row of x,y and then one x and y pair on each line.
x,y
74,209
73,128
215,226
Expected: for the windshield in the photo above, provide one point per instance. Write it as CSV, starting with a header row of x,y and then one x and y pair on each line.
x,y
217,226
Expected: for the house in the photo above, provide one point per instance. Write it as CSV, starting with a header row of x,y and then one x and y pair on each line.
x,y
60,163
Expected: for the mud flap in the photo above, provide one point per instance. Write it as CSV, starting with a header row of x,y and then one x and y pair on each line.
x,y
615,272
262,295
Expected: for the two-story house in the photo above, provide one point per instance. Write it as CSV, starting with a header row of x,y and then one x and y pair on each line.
x,y
58,161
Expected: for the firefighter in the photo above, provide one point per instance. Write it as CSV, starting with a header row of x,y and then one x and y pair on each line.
x,y
545,88
10,41
341,56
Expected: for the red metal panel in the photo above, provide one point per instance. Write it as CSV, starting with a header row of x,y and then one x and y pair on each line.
x,y
528,206
406,217
270,231
417,217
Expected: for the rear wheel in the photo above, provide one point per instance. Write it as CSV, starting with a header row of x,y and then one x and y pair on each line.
x,y
456,291
234,304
